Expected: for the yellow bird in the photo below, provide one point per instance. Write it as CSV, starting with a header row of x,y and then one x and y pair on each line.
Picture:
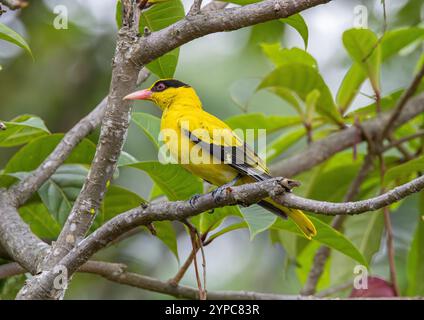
x,y
207,147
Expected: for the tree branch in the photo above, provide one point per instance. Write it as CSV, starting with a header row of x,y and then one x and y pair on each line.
x,y
14,4
113,134
22,191
356,207
158,43
323,252
179,210
16,237
402,101
324,149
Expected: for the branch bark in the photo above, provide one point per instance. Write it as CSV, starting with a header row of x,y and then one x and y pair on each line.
x,y
192,27
322,150
16,237
42,285
14,4
112,137
29,185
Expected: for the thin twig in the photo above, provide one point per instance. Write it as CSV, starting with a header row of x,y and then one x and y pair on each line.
x,y
195,242
183,269
195,8
403,101
335,289
391,250
323,149
395,143
323,252
22,191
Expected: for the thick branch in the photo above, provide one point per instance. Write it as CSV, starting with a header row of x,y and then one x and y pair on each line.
x,y
118,274
206,22
16,237
112,137
246,194
324,149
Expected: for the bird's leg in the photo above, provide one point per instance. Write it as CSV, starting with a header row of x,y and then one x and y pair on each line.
x,y
218,191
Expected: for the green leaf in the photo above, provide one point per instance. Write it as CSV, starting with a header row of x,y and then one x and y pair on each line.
x,y
257,219
290,97
22,130
271,123
305,262
387,102
30,156
363,47
160,16
287,240
303,79
333,180
149,124
117,200
415,262
211,220
311,103
41,222
325,235
126,159
155,192
266,32
282,143
166,233
60,191
392,42
10,287
173,180
9,35
118,14
404,170
366,231
395,40
227,229
350,86
297,22
281,56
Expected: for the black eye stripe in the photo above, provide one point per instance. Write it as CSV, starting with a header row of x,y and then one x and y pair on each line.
x,y
162,85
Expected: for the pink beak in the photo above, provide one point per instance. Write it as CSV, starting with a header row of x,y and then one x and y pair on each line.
x,y
139,95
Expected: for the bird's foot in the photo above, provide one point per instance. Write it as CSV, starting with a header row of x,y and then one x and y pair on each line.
x,y
220,192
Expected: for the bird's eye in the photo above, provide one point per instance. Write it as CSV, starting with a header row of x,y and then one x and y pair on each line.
x,y
160,87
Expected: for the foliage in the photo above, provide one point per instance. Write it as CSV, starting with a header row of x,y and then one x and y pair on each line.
x,y
294,78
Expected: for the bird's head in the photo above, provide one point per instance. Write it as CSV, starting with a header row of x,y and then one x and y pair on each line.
x,y
164,92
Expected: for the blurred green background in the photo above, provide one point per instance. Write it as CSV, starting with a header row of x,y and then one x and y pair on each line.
x,y
70,74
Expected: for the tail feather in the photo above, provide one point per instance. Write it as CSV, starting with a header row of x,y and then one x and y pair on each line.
x,y
299,218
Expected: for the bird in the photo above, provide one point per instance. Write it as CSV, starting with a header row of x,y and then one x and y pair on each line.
x,y
224,159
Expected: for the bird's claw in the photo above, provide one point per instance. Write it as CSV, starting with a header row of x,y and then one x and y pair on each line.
x,y
218,193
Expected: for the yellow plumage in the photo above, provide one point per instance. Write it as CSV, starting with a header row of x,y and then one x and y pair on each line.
x,y
199,132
